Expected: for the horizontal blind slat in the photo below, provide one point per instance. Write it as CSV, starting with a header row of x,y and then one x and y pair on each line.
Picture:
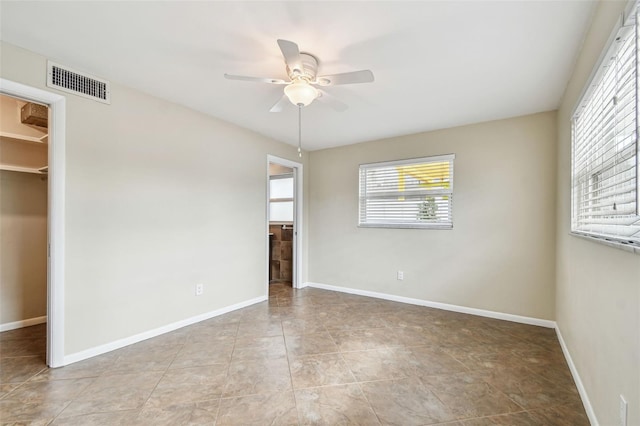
x,y
605,147
416,194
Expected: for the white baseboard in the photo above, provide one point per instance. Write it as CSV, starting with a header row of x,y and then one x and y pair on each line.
x,y
108,347
22,323
438,305
576,378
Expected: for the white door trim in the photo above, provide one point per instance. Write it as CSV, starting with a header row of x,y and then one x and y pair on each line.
x,y
298,225
56,222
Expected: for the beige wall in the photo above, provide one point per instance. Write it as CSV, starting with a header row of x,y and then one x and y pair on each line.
x,y
500,255
598,287
23,246
158,198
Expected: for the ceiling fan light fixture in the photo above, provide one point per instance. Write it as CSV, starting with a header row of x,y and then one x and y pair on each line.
x,y
301,93
302,70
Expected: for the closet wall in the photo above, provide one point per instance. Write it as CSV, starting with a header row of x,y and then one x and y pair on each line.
x,y
23,217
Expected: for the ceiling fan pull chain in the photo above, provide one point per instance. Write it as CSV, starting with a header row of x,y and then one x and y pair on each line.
x,y
299,130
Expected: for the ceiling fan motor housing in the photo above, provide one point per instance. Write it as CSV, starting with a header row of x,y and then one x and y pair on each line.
x,y
309,68
302,69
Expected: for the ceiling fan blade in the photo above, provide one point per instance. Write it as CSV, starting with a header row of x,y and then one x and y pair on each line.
x,y
277,107
332,102
255,79
364,76
291,54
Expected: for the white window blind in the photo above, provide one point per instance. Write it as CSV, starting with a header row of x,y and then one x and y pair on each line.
x,y
414,193
605,147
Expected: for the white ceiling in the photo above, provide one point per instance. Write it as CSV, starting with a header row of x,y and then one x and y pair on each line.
x,y
436,64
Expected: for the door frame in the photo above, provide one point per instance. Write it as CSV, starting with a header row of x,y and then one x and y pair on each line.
x,y
55,212
298,186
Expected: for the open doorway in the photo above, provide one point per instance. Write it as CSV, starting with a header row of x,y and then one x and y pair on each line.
x,y
24,137
284,222
19,168
281,224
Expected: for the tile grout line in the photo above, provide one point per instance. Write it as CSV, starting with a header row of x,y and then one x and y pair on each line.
x,y
356,381
494,336
293,390
70,402
369,402
141,409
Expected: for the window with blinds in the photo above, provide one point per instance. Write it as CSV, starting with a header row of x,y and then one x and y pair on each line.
x,y
414,193
605,147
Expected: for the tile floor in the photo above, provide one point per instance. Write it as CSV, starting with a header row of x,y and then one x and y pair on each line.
x,y
304,357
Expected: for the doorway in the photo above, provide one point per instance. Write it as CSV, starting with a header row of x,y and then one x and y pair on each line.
x,y
55,189
284,222
23,228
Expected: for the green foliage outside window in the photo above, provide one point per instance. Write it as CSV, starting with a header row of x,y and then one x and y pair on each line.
x,y
427,209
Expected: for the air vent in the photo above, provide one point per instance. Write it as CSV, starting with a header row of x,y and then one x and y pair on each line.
x,y
79,83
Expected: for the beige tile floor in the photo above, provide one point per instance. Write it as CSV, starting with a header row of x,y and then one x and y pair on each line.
x,y
304,357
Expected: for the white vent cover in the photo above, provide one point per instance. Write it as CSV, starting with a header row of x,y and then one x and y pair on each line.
x,y
68,80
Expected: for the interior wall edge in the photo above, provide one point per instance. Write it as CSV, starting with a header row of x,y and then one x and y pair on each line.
x,y
136,338
438,305
597,292
586,402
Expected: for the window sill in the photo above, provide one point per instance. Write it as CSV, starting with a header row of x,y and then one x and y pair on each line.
x,y
621,246
404,226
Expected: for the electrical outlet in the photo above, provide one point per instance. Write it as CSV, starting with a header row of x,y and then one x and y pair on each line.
x,y
400,275
199,289
623,411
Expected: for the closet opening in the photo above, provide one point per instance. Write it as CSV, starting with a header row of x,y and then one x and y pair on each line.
x,y
24,227
284,192
55,210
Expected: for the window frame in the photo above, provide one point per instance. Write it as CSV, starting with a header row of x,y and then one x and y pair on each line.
x,y
282,200
408,162
626,23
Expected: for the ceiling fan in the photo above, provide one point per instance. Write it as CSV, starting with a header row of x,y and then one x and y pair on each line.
x,y
301,88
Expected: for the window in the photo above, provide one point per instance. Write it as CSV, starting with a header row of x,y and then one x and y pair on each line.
x,y
281,198
414,193
604,186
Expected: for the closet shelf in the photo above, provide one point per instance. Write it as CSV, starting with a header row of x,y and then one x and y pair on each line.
x,y
24,138
38,171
